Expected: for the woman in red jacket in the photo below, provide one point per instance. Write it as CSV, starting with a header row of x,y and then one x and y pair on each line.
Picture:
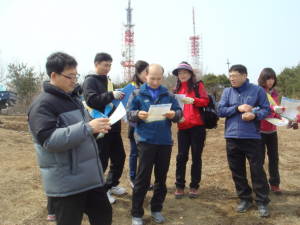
x,y
267,80
191,130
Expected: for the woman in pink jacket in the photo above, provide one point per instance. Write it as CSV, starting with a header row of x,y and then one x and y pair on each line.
x,y
267,80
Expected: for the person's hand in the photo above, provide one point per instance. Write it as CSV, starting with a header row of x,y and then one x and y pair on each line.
x,y
100,125
279,109
182,120
143,115
118,94
245,108
248,116
187,100
170,115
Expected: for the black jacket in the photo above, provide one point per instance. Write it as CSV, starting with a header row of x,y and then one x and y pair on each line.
x,y
96,96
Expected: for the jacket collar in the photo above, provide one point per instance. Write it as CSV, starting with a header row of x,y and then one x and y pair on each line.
x,y
144,91
49,88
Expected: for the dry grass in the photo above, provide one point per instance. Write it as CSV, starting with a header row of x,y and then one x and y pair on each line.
x,y
22,199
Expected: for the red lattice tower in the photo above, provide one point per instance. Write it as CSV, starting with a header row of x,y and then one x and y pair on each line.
x,y
128,47
196,52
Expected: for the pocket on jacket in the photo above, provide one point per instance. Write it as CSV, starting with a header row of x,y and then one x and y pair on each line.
x,y
72,161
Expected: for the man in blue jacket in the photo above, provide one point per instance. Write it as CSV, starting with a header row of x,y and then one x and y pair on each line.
x,y
154,141
244,105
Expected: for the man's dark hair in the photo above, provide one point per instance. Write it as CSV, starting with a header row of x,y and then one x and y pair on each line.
x,y
147,69
102,56
266,74
139,67
240,68
58,61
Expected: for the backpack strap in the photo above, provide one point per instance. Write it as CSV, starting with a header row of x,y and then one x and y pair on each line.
x,y
196,90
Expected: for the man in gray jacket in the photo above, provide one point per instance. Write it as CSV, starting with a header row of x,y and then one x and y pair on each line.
x,y
66,150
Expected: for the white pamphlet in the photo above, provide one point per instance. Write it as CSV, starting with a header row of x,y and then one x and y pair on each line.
x,y
156,112
290,106
179,97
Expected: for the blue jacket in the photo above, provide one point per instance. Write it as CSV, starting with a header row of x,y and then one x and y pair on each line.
x,y
231,98
159,132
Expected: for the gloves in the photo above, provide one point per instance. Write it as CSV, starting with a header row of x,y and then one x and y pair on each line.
x,y
181,120
187,100
118,94
279,109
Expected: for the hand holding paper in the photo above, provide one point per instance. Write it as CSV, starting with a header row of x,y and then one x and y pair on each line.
x,y
188,100
279,109
143,115
100,125
170,115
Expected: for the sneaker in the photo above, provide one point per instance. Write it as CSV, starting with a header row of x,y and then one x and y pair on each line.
x,y
111,199
131,184
193,193
117,190
263,210
276,190
179,193
243,206
51,218
158,217
137,221
150,187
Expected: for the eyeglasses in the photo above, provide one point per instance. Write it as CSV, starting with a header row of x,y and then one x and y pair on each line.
x,y
71,78
235,76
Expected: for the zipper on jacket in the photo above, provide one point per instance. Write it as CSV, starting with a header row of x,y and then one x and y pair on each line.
x,y
82,113
239,116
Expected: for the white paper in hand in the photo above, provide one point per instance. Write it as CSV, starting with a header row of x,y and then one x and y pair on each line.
x,y
156,112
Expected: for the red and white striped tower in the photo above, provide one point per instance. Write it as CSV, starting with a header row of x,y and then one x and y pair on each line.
x,y
196,52
128,47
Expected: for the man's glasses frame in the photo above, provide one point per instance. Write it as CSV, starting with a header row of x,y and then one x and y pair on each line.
x,y
71,78
234,76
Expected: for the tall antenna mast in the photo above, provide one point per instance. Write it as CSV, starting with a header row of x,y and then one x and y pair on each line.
x,y
128,47
196,51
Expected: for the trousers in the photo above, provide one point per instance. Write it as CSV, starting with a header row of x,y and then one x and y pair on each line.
x,y
237,152
149,155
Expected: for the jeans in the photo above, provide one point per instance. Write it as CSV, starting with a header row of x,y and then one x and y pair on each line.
x,y
133,159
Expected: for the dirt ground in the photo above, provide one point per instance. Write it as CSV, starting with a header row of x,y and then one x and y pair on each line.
x,y
22,199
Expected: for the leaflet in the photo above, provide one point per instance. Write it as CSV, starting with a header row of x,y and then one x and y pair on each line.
x,y
179,97
156,112
277,122
290,106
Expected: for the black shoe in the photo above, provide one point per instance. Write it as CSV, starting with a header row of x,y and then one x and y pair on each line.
x,y
243,206
263,210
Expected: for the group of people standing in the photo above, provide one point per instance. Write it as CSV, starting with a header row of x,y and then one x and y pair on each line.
x,y
73,159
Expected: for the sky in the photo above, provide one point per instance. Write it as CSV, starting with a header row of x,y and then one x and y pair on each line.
x,y
257,33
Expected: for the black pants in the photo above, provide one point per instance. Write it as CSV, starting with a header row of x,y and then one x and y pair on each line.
x,y
148,155
50,206
237,152
193,137
111,147
94,203
271,141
